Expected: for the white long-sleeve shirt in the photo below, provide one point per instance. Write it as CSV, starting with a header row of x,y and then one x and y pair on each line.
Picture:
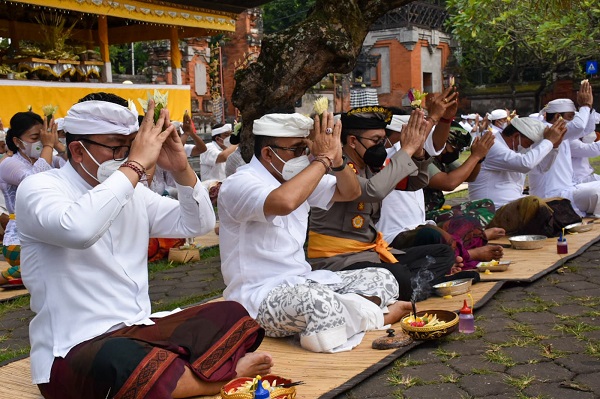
x,y
260,252
84,254
580,154
557,181
12,172
502,173
210,169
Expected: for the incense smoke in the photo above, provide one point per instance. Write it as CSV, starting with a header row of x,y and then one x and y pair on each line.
x,y
420,284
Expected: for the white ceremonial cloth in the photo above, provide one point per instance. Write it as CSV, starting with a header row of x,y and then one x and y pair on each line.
x,y
502,174
13,170
404,210
209,168
557,181
260,252
580,154
84,254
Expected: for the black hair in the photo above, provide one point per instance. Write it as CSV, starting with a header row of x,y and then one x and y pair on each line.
x,y
19,124
98,96
260,142
108,97
350,132
509,131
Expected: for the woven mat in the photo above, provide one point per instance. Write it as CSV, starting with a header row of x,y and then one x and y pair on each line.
x,y
291,361
529,265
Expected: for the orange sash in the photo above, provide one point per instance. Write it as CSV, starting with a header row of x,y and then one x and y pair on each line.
x,y
325,246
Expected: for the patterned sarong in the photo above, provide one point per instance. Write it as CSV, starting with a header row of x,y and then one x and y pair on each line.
x,y
482,209
12,254
147,361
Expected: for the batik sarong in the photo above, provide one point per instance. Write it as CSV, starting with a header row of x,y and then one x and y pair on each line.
x,y
482,209
322,314
147,361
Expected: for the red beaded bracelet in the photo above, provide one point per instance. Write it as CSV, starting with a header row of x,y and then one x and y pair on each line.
x,y
140,173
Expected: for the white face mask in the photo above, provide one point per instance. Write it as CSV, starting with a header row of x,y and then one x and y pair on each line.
x,y
105,169
32,150
503,126
227,142
63,140
292,167
520,148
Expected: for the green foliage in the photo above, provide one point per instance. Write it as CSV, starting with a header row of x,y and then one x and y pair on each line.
x,y
280,14
507,38
120,57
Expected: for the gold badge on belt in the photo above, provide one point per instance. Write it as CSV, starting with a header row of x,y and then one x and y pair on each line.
x,y
358,221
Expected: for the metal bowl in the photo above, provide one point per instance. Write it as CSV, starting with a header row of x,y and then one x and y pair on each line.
x,y
527,242
454,287
579,227
435,332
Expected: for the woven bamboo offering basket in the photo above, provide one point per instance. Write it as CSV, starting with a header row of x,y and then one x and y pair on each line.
x,y
276,393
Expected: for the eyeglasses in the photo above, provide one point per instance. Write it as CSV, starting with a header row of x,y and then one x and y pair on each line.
x,y
375,141
120,152
298,151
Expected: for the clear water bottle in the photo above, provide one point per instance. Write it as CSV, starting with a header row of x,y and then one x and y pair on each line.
x,y
466,321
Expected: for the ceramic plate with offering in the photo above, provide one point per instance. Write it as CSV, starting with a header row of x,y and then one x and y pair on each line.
x,y
579,227
527,241
454,287
493,266
430,324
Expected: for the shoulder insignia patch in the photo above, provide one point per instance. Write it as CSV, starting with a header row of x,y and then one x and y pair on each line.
x,y
361,206
358,221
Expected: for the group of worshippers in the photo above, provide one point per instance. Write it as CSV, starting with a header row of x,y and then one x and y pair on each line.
x,y
553,153
93,334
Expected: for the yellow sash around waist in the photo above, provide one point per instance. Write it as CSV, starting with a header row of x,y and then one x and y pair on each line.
x,y
11,216
325,246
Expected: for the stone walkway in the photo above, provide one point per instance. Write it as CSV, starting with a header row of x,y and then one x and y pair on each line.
x,y
539,340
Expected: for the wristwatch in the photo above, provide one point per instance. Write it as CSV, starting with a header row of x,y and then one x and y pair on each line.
x,y
341,167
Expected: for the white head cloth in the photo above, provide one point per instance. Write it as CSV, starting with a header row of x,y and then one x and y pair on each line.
x,y
2,136
559,106
100,117
469,116
498,114
60,123
531,128
398,122
220,130
283,125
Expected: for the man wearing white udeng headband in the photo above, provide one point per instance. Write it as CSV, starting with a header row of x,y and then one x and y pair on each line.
x,y
84,233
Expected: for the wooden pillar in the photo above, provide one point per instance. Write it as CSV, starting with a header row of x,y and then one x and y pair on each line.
x,y
103,42
175,58
13,33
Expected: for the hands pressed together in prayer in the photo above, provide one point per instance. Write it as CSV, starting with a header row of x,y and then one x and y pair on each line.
x,y
556,132
481,145
159,144
325,138
414,134
444,105
585,96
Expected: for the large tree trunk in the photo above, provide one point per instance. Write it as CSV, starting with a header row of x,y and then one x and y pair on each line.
x,y
292,61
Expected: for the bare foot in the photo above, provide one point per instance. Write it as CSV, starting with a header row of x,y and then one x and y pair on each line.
x,y
253,364
397,311
456,267
487,253
494,233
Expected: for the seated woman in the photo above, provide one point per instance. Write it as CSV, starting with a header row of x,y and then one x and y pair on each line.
x,y
32,144
464,234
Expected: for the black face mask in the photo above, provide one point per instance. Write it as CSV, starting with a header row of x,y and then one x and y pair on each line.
x,y
449,157
375,156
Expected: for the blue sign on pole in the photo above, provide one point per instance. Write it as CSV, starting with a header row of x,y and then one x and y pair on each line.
x,y
591,67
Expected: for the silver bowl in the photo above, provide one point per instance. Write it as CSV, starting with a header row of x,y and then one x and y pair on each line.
x,y
454,287
527,242
579,227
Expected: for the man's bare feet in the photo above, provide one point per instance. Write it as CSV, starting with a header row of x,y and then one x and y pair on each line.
x,y
253,364
456,267
494,233
487,253
397,311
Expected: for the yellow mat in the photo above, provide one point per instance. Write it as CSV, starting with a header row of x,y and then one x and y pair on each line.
x,y
529,265
291,361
